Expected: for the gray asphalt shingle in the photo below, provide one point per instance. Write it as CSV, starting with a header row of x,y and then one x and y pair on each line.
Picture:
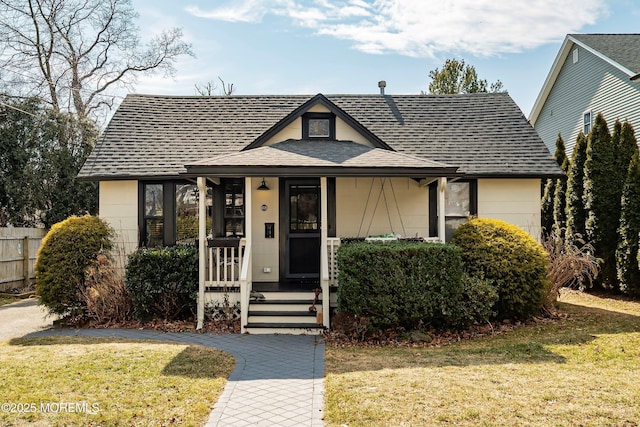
x,y
482,134
622,48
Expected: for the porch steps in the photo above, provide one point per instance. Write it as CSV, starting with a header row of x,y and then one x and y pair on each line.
x,y
284,312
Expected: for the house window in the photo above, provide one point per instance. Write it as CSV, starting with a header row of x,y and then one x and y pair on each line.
x,y
460,204
586,122
318,125
187,226
575,55
153,219
233,207
169,213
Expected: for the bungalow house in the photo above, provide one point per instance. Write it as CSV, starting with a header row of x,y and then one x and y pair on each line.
x,y
592,73
268,186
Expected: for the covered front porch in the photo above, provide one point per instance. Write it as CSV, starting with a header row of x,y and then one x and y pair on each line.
x,y
275,259
281,258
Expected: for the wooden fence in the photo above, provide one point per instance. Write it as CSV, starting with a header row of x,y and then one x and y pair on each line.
x,y
18,247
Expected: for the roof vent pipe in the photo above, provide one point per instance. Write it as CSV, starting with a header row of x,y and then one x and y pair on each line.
x,y
382,84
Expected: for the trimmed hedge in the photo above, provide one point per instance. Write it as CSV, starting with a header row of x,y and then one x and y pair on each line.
x,y
67,251
511,259
408,284
163,282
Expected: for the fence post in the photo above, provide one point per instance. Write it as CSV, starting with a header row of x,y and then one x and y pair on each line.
x,y
26,264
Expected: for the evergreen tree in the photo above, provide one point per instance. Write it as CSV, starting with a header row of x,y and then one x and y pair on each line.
x,y
42,154
549,192
627,147
560,202
627,252
576,214
600,197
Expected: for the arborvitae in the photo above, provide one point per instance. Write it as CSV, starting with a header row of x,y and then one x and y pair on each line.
x,y
576,214
627,147
601,196
549,193
560,202
627,253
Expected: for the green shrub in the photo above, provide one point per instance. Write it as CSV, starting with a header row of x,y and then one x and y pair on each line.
x,y
67,251
509,257
163,282
407,284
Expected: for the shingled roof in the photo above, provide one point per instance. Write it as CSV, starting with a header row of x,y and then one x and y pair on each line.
x,y
621,48
481,134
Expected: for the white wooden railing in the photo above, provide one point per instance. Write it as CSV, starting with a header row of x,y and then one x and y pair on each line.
x,y
224,264
332,260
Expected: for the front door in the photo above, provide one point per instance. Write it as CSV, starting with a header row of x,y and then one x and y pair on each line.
x,y
301,225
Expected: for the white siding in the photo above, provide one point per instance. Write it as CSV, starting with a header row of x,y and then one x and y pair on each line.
x,y
265,251
118,205
516,201
405,212
589,84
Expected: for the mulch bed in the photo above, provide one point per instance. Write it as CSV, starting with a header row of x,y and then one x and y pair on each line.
x,y
155,325
399,337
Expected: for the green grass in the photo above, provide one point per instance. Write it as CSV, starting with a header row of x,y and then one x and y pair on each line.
x,y
128,383
583,370
7,300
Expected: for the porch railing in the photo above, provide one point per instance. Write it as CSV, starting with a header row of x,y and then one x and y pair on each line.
x,y
224,265
332,260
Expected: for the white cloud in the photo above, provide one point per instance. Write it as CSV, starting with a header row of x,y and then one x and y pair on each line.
x,y
424,28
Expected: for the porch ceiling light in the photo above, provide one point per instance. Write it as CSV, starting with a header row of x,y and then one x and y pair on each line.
x,y
263,186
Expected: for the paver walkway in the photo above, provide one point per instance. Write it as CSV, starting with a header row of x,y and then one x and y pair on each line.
x,y
278,379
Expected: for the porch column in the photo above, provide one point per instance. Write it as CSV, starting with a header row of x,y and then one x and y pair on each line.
x,y
324,261
442,187
202,247
248,235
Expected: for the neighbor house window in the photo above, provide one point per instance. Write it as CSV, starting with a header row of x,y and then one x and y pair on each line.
x,y
460,205
318,125
586,122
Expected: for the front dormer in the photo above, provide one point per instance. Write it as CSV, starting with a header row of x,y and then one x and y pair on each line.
x,y
318,119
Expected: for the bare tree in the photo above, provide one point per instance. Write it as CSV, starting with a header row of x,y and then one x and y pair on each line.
x,y
75,53
208,88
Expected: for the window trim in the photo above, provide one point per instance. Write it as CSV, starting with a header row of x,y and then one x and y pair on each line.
x,y
315,116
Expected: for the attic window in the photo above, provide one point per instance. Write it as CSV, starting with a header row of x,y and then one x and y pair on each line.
x,y
575,55
318,125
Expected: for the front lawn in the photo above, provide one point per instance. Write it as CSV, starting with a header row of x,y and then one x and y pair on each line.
x,y
582,370
98,381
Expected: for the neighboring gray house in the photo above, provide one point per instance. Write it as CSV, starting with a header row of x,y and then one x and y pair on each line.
x,y
592,73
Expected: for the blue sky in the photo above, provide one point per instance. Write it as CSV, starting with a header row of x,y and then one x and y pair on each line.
x,y
347,46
